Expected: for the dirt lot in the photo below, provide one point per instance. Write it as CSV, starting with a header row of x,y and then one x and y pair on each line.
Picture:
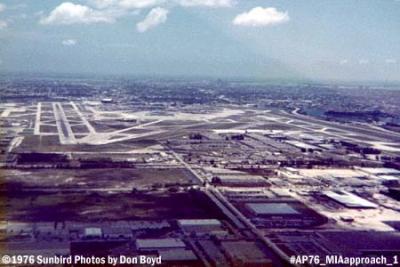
x,y
98,207
52,144
95,178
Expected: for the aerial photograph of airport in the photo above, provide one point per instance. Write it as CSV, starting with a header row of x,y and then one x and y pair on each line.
x,y
200,133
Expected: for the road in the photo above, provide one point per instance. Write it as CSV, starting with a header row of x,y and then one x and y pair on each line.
x,y
230,211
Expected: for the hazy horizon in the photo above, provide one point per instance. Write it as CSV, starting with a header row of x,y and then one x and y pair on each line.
x,y
322,40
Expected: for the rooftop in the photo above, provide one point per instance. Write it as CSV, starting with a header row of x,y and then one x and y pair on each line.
x,y
93,231
199,222
158,243
178,254
349,200
244,251
271,208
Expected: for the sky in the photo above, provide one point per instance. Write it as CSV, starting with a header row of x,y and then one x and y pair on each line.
x,y
346,40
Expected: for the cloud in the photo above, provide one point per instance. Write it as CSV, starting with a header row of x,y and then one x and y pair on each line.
x,y
206,3
125,4
68,13
102,3
343,61
18,6
2,7
261,17
69,42
3,24
108,11
155,17
390,61
363,61
138,4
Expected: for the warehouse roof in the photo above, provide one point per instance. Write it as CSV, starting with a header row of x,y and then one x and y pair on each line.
x,y
349,200
271,208
199,222
159,243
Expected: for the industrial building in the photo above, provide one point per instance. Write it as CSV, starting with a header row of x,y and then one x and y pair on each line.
x,y
349,200
271,209
245,253
159,243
